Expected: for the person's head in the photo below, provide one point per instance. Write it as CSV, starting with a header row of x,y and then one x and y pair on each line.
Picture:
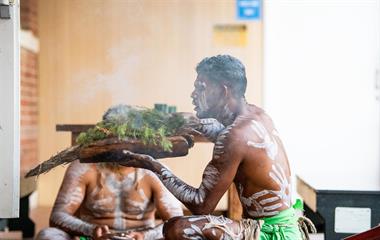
x,y
220,79
118,113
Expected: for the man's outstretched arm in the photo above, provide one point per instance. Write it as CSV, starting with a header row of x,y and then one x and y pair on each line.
x,y
217,176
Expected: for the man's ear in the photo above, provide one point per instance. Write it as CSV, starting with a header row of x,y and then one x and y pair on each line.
x,y
226,91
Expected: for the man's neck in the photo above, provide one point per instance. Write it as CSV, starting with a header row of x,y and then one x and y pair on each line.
x,y
231,110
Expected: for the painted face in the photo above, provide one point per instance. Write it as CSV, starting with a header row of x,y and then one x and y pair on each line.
x,y
206,97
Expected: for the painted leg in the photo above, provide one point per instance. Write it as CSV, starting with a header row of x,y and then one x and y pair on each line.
x,y
202,227
52,234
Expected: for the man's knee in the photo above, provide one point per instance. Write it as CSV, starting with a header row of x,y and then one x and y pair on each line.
x,y
173,229
52,234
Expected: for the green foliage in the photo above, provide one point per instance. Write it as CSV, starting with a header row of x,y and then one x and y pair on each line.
x,y
149,126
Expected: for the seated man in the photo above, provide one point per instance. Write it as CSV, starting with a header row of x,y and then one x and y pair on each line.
x,y
248,152
96,198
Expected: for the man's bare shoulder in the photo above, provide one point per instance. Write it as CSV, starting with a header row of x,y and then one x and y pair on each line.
x,y
255,125
148,178
237,131
147,175
81,171
149,181
230,142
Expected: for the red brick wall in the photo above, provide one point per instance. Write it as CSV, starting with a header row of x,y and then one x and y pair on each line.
x,y
29,89
28,15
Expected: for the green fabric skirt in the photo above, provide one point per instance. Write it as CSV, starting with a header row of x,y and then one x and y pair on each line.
x,y
283,226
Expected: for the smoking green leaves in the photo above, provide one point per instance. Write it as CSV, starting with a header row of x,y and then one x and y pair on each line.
x,y
148,125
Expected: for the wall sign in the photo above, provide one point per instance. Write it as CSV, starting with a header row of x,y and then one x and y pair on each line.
x,y
248,9
352,220
230,35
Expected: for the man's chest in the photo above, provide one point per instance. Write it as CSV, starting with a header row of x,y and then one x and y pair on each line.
x,y
111,195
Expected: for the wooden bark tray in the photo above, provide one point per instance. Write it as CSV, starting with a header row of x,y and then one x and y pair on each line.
x,y
98,152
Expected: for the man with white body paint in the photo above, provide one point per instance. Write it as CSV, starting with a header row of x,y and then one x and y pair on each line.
x,y
247,152
100,198
106,200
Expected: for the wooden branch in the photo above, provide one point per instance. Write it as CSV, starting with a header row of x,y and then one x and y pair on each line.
x,y
66,156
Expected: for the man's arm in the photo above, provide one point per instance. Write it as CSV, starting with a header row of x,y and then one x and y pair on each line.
x,y
217,177
166,204
69,199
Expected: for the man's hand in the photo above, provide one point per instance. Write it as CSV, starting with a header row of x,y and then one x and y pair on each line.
x,y
138,160
100,232
136,235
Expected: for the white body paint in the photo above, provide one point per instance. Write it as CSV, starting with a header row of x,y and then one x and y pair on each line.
x,y
114,195
219,225
186,193
270,205
202,98
225,225
171,204
219,144
213,223
59,215
211,128
195,218
53,233
154,233
118,188
268,142
193,233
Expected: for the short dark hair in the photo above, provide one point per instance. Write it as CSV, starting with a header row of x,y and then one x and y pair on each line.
x,y
226,70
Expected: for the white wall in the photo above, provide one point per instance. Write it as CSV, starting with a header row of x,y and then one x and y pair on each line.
x,y
320,60
9,115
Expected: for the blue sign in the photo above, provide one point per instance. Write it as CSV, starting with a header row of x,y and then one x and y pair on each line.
x,y
248,9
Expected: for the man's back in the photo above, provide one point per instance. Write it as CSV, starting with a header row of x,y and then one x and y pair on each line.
x,y
247,152
263,176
